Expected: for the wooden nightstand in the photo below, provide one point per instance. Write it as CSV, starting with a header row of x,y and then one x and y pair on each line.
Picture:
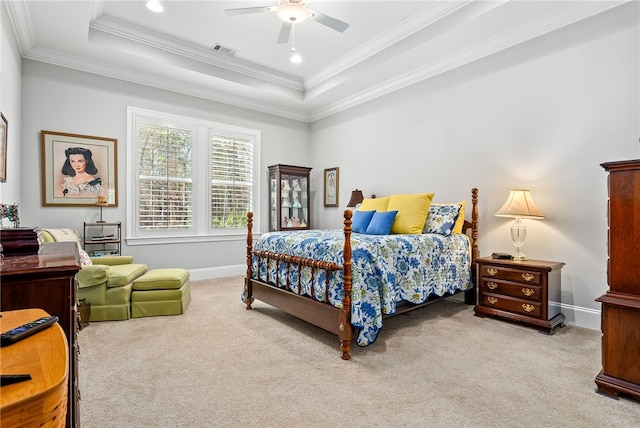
x,y
520,291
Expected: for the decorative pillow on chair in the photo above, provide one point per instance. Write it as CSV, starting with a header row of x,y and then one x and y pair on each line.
x,y
374,204
412,212
360,220
85,260
442,218
381,223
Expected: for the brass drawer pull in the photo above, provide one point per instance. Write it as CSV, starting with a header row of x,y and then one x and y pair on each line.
x,y
528,292
527,276
492,285
492,271
492,300
527,307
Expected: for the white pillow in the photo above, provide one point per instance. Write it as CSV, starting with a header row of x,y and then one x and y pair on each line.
x,y
85,260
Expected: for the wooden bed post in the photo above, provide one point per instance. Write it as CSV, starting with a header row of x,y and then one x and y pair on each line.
x,y
344,318
470,294
247,281
475,253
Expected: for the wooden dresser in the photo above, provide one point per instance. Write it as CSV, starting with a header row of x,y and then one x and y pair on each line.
x,y
621,304
520,291
47,281
42,400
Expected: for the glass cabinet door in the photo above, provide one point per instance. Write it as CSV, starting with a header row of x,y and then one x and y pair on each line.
x,y
288,197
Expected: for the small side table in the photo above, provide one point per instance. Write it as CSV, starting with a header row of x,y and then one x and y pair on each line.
x,y
520,291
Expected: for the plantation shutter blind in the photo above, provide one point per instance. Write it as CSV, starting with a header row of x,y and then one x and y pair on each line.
x,y
231,181
165,178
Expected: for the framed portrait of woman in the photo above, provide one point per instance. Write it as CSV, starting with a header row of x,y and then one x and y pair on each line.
x,y
331,186
78,169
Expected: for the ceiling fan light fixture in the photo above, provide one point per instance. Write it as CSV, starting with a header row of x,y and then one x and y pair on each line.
x,y
155,6
295,56
292,12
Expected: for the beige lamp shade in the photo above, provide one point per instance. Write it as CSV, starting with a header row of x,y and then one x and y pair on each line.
x,y
520,204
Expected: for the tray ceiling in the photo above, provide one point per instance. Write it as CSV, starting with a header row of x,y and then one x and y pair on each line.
x,y
388,45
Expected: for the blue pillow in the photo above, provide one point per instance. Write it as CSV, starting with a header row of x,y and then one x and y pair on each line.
x,y
360,220
381,223
442,218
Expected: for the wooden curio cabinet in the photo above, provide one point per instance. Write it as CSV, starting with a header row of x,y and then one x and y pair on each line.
x,y
620,320
289,197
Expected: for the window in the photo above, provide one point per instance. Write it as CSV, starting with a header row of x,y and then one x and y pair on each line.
x,y
164,177
231,181
189,179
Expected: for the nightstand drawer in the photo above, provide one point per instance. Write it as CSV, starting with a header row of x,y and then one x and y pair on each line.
x,y
524,307
517,275
523,291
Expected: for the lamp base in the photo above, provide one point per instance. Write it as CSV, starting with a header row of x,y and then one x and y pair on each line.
x,y
518,235
519,256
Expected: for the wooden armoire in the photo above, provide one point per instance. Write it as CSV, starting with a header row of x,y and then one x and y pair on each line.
x,y
621,304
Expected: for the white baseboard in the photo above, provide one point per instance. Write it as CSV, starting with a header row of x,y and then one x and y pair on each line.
x,y
217,272
579,316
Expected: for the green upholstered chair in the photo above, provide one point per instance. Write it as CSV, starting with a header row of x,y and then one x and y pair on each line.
x,y
104,282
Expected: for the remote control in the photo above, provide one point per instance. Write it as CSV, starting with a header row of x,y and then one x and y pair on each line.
x,y
10,379
26,330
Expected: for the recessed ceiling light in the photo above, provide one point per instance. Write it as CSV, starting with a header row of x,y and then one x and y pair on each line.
x,y
154,6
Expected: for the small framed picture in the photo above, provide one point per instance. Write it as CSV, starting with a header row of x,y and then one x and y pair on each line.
x,y
4,125
331,186
78,170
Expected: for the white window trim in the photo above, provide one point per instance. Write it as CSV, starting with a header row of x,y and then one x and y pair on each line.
x,y
202,230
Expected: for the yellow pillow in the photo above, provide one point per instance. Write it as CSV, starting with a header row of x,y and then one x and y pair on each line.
x,y
412,211
457,228
377,204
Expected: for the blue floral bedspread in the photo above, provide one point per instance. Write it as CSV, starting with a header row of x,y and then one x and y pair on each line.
x,y
386,270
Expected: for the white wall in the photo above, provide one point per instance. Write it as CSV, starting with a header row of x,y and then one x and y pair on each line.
x,y
63,100
10,105
542,116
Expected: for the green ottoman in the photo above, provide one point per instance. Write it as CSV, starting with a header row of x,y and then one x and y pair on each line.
x,y
161,292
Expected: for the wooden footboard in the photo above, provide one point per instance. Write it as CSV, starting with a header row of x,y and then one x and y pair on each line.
x,y
320,312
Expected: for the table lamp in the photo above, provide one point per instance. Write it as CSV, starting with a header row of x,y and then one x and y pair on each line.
x,y
519,205
102,202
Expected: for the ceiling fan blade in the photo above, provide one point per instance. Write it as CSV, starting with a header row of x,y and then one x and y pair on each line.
x,y
330,22
247,10
285,32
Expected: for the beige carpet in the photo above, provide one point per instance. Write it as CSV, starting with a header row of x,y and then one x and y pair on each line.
x,y
220,365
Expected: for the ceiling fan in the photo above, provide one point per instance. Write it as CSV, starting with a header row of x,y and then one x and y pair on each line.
x,y
292,12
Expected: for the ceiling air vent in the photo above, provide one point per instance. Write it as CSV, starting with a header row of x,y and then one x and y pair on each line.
x,y
223,49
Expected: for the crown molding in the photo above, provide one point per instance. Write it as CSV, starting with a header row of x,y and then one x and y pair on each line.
x,y
505,40
157,41
410,26
62,59
19,17
97,8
